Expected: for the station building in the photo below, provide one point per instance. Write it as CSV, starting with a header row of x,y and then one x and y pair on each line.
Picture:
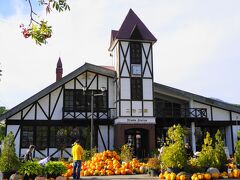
x,y
119,104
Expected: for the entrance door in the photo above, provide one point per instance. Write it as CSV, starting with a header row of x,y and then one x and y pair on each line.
x,y
138,140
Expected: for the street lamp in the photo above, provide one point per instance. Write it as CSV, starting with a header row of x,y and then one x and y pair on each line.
x,y
92,122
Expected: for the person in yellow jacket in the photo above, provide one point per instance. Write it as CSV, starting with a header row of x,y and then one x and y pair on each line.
x,y
77,153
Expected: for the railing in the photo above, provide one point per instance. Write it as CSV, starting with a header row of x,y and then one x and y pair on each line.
x,y
109,113
181,113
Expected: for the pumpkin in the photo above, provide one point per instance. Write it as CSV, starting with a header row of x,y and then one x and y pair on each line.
x,y
168,176
123,172
194,176
235,173
215,175
200,176
172,176
161,176
142,169
207,176
117,172
177,177
212,170
182,177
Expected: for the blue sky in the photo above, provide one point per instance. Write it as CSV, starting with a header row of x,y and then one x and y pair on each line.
x,y
6,8
197,48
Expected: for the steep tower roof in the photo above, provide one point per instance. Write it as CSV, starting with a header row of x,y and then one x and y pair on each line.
x,y
59,63
132,28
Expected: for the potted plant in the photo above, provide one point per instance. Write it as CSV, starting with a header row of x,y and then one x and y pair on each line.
x,y
54,169
153,165
31,169
237,151
220,155
174,156
126,153
206,156
9,161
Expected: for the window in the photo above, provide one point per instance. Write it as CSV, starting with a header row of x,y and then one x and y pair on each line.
x,y
135,53
68,100
72,133
136,89
27,136
41,137
165,108
80,101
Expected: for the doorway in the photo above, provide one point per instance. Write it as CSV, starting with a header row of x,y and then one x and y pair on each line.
x,y
137,139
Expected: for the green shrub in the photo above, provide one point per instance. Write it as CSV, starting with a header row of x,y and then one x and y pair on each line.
x,y
207,154
174,155
9,161
237,151
31,168
87,154
55,168
126,153
153,163
220,155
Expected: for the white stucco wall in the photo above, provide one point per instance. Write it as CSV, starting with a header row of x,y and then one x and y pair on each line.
x,y
125,108
220,114
125,88
137,108
147,89
148,108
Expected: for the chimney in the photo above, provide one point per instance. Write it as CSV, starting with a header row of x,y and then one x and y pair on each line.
x,y
59,70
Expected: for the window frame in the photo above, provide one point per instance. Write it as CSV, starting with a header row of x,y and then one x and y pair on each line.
x,y
136,89
135,53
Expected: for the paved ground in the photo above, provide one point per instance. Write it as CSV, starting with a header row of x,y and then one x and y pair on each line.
x,y
119,177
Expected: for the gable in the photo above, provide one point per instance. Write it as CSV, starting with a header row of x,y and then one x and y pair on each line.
x,y
53,87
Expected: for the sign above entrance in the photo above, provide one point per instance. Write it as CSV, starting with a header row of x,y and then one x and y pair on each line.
x,y
135,120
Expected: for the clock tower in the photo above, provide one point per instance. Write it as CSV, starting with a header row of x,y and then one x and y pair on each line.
x,y
131,48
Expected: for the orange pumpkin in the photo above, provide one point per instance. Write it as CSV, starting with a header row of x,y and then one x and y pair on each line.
x,y
182,177
207,176
172,176
168,176
200,176
235,173
177,177
161,176
215,175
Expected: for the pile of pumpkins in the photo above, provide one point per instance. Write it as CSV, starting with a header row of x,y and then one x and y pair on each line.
x,y
234,173
107,163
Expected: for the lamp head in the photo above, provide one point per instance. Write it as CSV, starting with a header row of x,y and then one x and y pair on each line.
x,y
103,89
84,88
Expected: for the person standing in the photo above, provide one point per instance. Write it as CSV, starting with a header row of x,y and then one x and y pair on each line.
x,y
28,155
77,153
188,150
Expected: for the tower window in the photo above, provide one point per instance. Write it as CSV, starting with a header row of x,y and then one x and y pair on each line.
x,y
135,53
136,89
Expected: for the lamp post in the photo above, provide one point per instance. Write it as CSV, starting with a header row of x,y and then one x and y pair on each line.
x,y
92,121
